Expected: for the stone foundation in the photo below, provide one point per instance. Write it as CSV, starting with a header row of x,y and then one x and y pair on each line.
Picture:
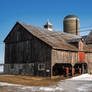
x,y
23,69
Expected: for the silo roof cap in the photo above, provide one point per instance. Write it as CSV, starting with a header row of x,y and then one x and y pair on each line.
x,y
71,16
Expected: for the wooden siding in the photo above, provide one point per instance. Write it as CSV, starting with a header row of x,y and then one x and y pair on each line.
x,y
60,56
88,60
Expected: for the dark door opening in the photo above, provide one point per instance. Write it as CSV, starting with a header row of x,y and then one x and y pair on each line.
x,y
80,68
62,69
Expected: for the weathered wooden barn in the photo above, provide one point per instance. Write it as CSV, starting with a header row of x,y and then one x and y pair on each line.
x,y
31,50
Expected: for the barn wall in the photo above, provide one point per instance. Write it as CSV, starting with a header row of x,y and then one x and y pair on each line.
x,y
60,56
88,60
23,49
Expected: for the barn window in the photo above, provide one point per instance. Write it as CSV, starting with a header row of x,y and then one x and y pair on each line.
x,y
41,67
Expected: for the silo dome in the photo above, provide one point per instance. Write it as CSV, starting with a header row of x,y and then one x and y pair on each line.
x,y
71,24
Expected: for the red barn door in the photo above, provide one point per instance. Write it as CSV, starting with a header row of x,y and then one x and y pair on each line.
x,y
81,56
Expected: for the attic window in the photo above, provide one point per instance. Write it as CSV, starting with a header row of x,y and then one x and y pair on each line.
x,y
41,67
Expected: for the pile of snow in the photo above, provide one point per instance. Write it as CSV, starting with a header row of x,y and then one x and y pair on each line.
x,y
87,77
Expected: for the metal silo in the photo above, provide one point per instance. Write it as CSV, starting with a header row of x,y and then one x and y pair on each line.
x,y
71,24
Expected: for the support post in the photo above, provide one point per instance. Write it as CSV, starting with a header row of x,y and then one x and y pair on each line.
x,y
73,71
67,71
80,70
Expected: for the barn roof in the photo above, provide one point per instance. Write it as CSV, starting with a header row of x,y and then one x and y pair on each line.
x,y
55,39
88,38
87,48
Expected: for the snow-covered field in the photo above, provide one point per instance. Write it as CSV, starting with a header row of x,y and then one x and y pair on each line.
x,y
1,68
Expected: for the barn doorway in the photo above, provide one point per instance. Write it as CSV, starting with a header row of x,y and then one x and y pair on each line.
x,y
62,69
80,68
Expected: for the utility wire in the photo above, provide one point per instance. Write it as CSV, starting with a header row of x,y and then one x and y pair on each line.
x,y
86,27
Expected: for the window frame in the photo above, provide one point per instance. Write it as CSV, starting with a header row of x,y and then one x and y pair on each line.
x,y
41,67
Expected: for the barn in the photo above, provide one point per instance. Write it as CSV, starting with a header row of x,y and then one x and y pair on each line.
x,y
36,51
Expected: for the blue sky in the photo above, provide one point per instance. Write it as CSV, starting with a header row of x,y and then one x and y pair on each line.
x,y
37,12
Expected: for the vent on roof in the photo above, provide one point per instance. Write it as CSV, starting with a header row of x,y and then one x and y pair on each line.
x,y
48,26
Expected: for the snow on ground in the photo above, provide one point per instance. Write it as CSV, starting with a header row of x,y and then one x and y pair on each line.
x,y
85,88
1,68
82,83
33,88
86,77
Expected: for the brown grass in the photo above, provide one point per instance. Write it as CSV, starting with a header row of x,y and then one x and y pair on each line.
x,y
31,81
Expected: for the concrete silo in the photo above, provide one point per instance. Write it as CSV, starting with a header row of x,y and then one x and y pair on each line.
x,y
71,24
